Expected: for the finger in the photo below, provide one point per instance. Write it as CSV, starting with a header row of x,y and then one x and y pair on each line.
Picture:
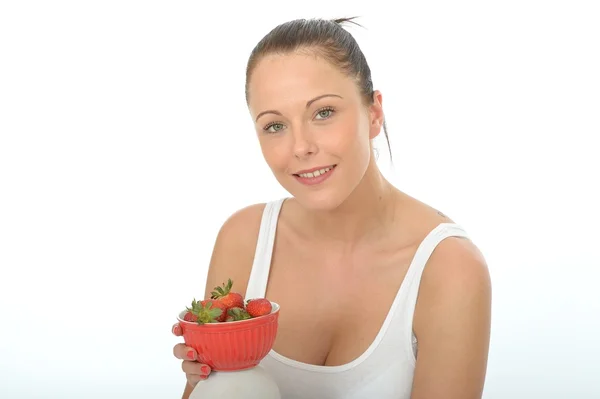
x,y
180,351
195,369
205,370
177,330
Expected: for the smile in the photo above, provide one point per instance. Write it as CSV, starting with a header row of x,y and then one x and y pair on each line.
x,y
315,176
316,173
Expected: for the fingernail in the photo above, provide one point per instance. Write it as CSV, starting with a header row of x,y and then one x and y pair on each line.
x,y
176,329
190,354
203,377
205,369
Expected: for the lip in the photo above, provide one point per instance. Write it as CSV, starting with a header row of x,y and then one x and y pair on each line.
x,y
314,169
314,181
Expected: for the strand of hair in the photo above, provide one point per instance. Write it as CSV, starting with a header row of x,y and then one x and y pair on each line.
x,y
341,21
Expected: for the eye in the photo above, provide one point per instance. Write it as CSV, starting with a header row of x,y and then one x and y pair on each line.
x,y
325,113
274,127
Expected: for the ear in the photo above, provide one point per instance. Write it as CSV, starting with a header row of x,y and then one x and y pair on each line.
x,y
376,115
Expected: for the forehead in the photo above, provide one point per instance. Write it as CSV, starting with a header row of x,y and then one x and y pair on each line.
x,y
284,79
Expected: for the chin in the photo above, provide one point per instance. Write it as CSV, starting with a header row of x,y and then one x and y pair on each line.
x,y
323,199
318,200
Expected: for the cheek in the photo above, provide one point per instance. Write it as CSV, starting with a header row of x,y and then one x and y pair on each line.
x,y
353,137
275,152
358,146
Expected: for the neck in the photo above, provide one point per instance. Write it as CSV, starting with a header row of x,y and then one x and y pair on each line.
x,y
365,214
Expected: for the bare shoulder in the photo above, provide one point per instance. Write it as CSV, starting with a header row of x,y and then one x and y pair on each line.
x,y
452,322
456,261
235,245
236,225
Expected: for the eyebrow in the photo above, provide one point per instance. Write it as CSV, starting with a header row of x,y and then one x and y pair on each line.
x,y
308,103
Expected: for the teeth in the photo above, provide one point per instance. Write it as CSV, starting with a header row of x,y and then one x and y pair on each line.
x,y
315,173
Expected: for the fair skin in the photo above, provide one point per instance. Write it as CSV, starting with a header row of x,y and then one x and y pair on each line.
x,y
349,240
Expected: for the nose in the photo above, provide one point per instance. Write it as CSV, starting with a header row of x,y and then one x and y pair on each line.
x,y
304,144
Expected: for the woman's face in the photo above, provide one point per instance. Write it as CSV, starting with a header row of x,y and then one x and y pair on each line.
x,y
313,126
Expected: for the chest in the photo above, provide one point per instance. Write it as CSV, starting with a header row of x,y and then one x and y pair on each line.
x,y
333,301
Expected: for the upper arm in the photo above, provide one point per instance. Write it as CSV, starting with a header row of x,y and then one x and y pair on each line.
x,y
233,252
452,323
233,255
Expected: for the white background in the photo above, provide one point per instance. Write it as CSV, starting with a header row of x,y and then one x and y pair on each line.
x,y
125,142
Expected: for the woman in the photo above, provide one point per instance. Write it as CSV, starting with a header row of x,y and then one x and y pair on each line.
x,y
381,295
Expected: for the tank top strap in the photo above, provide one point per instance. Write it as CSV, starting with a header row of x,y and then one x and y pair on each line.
x,y
259,275
419,261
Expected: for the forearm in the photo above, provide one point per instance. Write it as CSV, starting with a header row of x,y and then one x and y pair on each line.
x,y
187,391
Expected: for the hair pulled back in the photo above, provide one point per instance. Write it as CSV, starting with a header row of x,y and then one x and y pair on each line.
x,y
325,38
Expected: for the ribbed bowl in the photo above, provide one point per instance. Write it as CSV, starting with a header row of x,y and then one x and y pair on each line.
x,y
233,345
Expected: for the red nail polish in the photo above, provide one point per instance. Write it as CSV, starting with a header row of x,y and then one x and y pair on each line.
x,y
205,369
190,355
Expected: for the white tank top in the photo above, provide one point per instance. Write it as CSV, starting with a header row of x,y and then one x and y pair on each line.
x,y
385,369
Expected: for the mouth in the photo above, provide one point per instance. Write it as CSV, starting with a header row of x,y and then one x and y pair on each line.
x,y
314,177
315,173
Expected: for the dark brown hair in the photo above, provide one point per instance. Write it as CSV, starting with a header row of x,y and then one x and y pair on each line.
x,y
325,38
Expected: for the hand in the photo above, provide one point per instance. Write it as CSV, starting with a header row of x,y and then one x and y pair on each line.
x,y
193,370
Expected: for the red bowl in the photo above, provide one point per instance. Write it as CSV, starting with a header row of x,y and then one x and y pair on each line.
x,y
232,345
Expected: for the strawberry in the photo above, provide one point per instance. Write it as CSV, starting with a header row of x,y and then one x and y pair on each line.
x,y
258,307
226,297
235,314
189,316
208,311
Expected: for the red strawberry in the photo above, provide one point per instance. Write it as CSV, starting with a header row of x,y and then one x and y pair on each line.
x,y
189,316
226,297
208,311
258,307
